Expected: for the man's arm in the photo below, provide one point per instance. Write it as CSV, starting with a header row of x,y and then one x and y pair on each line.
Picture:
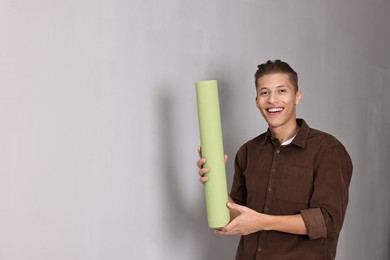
x,y
247,221
329,200
244,220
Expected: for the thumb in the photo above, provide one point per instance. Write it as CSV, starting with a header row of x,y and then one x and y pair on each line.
x,y
235,206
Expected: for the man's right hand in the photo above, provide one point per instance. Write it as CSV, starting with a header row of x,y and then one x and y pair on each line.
x,y
203,170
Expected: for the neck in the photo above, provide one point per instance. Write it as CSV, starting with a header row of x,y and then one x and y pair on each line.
x,y
283,133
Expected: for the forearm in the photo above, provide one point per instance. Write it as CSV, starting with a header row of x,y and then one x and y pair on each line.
x,y
292,224
289,224
245,221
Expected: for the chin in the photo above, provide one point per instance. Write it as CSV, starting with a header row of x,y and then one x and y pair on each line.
x,y
273,122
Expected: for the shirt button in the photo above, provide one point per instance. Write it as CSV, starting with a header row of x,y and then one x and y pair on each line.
x,y
273,170
278,151
266,209
259,249
269,189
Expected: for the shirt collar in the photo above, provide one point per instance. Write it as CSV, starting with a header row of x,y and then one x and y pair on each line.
x,y
303,132
300,138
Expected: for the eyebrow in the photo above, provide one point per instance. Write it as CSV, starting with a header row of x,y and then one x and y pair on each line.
x,y
280,86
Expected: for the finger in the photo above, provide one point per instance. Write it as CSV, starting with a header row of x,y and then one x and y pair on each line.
x,y
226,158
200,151
231,226
231,233
237,207
229,229
203,171
219,232
201,162
203,179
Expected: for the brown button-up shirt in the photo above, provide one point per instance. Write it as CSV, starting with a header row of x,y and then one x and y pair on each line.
x,y
310,176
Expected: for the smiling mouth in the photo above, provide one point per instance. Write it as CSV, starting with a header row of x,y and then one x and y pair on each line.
x,y
274,109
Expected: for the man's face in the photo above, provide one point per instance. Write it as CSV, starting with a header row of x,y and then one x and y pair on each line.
x,y
276,100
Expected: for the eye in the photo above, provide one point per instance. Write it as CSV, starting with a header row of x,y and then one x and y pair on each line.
x,y
282,91
263,92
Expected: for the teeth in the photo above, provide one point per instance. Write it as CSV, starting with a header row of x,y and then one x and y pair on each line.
x,y
275,109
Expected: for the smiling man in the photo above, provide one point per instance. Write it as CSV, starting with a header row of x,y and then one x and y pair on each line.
x,y
290,188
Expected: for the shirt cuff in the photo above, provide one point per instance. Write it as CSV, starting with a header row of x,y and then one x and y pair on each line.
x,y
314,222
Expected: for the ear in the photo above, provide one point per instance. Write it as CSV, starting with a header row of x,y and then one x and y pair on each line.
x,y
257,103
298,97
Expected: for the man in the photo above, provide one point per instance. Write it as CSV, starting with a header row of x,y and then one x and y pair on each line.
x,y
290,188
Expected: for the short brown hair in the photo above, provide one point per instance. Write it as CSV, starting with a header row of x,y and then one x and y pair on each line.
x,y
277,66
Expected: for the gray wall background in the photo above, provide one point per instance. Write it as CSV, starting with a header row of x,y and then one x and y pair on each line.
x,y
98,131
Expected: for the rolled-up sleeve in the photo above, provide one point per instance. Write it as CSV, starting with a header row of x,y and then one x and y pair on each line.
x,y
329,200
314,222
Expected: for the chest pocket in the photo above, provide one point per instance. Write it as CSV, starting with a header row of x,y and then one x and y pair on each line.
x,y
296,184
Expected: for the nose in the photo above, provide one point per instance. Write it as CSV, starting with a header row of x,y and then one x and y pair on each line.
x,y
273,97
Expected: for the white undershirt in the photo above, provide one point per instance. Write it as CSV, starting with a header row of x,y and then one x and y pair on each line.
x,y
287,142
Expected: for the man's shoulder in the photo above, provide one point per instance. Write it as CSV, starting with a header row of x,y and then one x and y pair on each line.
x,y
255,142
250,147
258,140
322,138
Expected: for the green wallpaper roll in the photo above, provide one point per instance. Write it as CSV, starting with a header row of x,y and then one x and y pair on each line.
x,y
212,149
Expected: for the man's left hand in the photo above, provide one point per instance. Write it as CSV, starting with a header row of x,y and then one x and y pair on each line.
x,y
249,221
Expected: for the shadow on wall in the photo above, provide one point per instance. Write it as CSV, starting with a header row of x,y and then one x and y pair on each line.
x,y
181,222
